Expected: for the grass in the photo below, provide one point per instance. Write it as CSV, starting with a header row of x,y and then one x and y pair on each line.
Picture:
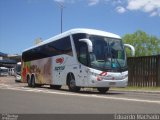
x,y
138,88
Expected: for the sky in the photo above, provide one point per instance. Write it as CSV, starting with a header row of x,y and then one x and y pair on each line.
x,y
23,21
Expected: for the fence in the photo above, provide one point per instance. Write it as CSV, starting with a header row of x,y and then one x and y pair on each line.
x,y
144,71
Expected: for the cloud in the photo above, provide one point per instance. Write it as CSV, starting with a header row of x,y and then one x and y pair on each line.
x,y
116,2
89,2
152,7
65,1
153,14
120,9
60,1
148,6
93,2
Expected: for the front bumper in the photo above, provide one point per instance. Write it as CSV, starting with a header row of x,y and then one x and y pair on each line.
x,y
109,83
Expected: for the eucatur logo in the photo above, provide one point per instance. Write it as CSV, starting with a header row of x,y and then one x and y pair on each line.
x,y
60,60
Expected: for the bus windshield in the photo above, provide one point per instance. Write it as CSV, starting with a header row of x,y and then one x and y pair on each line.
x,y
108,53
18,68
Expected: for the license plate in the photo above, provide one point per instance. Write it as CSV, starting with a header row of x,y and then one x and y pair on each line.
x,y
112,83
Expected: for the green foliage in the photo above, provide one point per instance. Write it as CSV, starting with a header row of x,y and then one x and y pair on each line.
x,y
144,44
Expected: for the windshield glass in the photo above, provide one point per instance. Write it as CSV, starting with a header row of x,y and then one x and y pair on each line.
x,y
108,53
18,68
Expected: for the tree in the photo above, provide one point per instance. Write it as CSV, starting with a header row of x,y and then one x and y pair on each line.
x,y
144,44
37,41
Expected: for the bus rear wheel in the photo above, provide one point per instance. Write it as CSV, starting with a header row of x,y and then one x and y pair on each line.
x,y
33,82
29,81
72,84
103,90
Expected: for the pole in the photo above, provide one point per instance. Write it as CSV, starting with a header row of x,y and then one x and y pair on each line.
x,y
61,5
61,18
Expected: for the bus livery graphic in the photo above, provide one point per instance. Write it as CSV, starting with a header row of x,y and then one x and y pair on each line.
x,y
60,60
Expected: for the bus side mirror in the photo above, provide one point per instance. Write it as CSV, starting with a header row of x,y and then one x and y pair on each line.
x,y
131,48
89,44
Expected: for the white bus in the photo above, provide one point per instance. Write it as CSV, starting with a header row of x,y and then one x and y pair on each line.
x,y
77,58
18,72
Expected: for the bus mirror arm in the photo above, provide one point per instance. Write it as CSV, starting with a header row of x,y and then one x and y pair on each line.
x,y
131,48
89,44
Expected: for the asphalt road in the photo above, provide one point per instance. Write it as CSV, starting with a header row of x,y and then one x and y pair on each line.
x,y
18,98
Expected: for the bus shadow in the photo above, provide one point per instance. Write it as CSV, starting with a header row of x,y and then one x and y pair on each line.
x,y
90,92
85,91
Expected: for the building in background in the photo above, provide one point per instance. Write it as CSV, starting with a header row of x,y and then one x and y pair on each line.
x,y
9,61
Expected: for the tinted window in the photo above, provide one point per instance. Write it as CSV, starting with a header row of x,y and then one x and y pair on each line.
x,y
76,38
81,48
83,53
61,46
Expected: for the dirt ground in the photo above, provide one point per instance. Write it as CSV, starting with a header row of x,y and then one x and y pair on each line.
x,y
10,80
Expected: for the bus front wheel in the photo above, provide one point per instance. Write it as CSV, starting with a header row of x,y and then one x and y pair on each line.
x,y
103,90
72,84
29,81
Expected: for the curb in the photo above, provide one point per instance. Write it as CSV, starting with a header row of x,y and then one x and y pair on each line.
x,y
137,91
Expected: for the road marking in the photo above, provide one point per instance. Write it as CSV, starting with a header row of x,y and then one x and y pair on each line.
x,y
105,97
4,86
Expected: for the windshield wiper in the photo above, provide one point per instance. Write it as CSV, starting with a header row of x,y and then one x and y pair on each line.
x,y
111,54
119,64
114,57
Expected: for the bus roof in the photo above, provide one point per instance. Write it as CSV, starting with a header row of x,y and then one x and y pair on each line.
x,y
75,31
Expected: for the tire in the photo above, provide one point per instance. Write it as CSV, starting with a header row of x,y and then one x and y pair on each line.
x,y
17,81
72,84
29,81
57,87
103,90
33,84
38,85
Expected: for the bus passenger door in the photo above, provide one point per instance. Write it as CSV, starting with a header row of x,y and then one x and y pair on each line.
x,y
83,59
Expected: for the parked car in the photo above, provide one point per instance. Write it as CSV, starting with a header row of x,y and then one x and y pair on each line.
x,y
3,71
11,71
